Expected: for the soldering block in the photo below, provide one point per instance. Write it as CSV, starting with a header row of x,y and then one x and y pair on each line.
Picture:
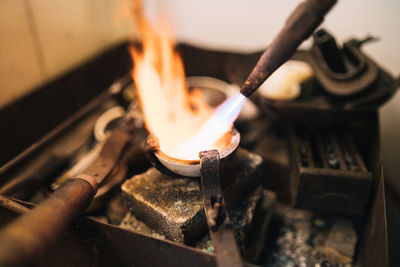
x,y
131,223
173,206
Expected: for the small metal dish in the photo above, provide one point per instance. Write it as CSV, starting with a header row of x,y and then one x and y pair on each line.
x,y
215,92
190,168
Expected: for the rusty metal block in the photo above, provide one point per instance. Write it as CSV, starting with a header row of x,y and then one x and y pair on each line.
x,y
250,220
173,206
331,175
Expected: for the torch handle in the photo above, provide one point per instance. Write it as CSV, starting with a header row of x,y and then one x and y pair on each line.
x,y
28,237
301,23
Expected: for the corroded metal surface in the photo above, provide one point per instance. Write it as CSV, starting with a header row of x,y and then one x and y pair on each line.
x,y
131,223
170,205
331,174
305,238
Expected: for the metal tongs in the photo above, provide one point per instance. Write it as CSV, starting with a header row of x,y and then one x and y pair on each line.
x,y
32,233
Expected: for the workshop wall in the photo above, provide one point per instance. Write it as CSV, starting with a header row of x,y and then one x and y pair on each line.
x,y
41,39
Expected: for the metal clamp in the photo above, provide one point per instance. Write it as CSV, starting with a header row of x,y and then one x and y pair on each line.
x,y
218,221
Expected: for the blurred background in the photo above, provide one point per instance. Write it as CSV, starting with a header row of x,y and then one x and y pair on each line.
x,y
43,39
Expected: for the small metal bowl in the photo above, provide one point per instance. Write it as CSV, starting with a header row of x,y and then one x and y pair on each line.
x,y
215,92
190,168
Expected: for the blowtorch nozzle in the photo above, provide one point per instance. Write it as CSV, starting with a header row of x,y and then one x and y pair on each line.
x,y
302,22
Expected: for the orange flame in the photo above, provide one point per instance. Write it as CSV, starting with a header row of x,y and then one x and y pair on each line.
x,y
171,113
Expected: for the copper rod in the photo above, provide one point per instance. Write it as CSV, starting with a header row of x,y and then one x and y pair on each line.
x,y
31,234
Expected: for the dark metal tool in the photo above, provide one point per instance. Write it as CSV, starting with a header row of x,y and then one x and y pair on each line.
x,y
342,72
32,233
217,217
299,26
114,90
347,83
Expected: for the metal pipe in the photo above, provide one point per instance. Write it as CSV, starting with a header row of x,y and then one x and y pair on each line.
x,y
307,16
32,233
